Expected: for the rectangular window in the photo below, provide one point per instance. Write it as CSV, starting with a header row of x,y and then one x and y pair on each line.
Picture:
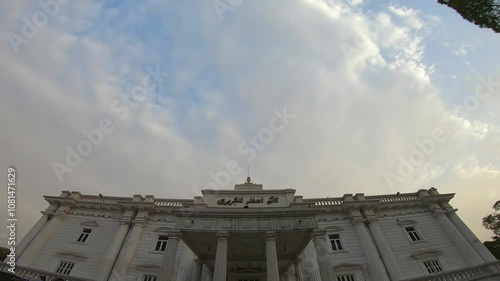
x,y
433,266
65,267
149,277
412,232
84,235
161,243
346,277
335,241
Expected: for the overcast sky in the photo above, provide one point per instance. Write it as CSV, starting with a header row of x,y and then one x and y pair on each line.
x,y
326,97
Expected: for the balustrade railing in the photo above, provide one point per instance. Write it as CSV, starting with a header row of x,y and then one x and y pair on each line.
x,y
480,272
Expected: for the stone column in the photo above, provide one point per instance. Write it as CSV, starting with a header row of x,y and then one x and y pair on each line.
x,y
113,251
375,265
220,269
470,237
311,263
186,265
298,270
271,257
463,246
198,270
385,251
168,263
122,264
21,246
321,247
40,240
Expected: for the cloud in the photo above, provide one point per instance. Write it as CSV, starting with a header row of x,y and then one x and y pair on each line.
x,y
357,82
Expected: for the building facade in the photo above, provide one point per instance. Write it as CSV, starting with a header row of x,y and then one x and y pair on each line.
x,y
254,234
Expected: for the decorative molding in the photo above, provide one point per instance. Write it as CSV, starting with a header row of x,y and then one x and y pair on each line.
x,y
163,229
71,256
147,267
334,228
246,224
90,223
346,266
426,254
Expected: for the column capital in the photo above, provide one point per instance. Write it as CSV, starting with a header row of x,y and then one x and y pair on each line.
x,y
222,235
139,223
270,235
318,234
438,212
176,235
357,220
59,215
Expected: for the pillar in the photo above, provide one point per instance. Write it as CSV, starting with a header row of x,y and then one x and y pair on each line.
x,y
168,264
40,240
375,265
311,263
198,270
271,257
485,254
385,251
220,269
463,245
298,270
122,264
321,247
186,266
113,251
21,246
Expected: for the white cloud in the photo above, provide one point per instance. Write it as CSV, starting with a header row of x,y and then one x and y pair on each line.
x,y
357,112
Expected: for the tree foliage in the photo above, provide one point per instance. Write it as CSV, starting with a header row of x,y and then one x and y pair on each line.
x,y
492,222
483,13
3,253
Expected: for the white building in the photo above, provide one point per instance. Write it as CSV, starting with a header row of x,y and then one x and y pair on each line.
x,y
251,233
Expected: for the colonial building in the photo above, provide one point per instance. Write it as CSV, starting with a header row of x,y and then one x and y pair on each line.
x,y
250,234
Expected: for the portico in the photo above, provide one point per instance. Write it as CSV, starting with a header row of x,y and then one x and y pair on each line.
x,y
247,242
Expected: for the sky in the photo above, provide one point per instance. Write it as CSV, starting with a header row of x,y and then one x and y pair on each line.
x,y
171,97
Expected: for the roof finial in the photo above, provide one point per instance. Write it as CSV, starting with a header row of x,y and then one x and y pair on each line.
x,y
248,175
